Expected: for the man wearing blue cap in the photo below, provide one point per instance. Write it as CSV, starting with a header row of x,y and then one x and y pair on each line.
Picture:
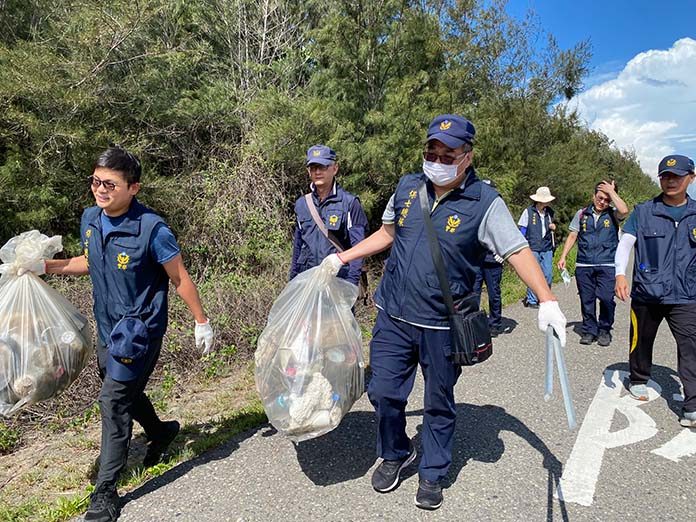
x,y
130,255
412,327
329,219
663,231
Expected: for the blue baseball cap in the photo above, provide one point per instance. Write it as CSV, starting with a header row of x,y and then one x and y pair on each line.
x,y
676,164
452,130
321,154
127,349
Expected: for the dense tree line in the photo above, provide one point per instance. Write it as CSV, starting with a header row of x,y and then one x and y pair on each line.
x,y
220,98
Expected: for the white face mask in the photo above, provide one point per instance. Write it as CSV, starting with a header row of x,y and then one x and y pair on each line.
x,y
440,174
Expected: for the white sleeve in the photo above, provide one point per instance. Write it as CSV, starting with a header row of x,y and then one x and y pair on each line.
x,y
623,252
388,214
524,219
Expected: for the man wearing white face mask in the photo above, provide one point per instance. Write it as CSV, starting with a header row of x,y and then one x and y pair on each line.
x,y
470,219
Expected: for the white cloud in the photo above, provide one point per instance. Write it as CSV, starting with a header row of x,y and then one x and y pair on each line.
x,y
650,107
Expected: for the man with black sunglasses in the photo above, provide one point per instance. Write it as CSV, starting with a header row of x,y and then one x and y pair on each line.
x,y
412,328
130,255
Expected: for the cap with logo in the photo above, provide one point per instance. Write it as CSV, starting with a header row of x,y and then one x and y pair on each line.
x,y
676,164
321,155
127,348
452,130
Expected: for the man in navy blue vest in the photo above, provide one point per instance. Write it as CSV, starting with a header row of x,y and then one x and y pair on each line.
x,y
340,211
663,231
412,327
130,255
536,223
596,230
492,273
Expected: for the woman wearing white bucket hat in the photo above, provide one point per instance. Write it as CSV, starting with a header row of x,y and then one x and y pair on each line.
x,y
536,223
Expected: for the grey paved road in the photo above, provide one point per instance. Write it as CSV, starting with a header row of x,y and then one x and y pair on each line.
x,y
511,449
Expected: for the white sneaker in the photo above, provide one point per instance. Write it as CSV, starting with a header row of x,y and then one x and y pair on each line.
x,y
638,391
688,419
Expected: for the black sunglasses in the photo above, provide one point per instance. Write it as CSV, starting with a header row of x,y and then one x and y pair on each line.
x,y
445,160
96,183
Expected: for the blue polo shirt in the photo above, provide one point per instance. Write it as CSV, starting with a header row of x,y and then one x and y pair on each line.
x,y
163,244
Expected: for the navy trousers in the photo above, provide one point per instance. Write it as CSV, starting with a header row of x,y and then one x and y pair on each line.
x,y
596,283
396,350
492,273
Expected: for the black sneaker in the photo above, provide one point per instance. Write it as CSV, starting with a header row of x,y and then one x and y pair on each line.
x,y
386,476
104,505
157,449
429,495
587,338
496,330
604,338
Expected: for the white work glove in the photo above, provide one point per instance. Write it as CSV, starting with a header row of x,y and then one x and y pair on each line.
x,y
17,269
550,315
332,264
204,336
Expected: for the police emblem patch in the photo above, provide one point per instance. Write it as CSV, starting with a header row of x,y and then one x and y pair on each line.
x,y
445,125
671,162
452,223
88,233
333,219
606,223
316,153
122,261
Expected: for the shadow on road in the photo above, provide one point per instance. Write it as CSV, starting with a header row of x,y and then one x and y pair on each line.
x,y
666,377
348,452
197,438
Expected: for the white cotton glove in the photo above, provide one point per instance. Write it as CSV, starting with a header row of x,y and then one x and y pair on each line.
x,y
204,336
550,315
332,264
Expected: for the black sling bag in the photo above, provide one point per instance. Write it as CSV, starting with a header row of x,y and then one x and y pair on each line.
x,y
470,336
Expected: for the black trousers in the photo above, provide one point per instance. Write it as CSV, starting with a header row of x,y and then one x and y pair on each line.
x,y
121,403
645,320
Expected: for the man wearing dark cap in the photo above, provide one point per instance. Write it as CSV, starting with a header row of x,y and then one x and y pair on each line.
x,y
663,231
412,326
329,219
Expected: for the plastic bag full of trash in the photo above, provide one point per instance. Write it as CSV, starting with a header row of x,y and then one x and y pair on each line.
x,y
44,341
309,362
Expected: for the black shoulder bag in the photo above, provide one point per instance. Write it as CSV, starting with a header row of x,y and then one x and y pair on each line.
x,y
469,332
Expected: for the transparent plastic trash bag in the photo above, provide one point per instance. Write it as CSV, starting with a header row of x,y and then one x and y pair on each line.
x,y
44,341
309,363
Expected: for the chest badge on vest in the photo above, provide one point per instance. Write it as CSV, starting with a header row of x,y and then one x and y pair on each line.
x,y
122,261
693,233
88,233
333,219
533,219
452,223
606,223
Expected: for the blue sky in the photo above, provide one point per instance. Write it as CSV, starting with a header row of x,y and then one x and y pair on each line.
x,y
641,91
617,29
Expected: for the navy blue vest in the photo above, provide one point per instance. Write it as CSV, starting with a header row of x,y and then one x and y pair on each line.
x,y
597,244
126,279
664,268
409,289
537,242
334,212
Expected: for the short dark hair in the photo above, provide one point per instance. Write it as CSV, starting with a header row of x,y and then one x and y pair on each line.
x,y
616,187
118,158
